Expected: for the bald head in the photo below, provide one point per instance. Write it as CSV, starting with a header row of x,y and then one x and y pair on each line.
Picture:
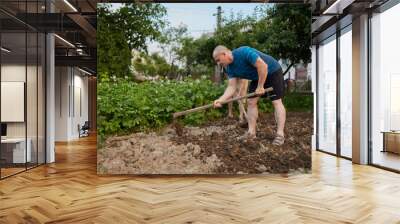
x,y
222,55
220,49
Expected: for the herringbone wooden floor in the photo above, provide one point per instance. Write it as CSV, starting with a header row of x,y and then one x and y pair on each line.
x,y
69,191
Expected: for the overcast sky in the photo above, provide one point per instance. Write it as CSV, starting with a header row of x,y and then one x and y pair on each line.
x,y
198,17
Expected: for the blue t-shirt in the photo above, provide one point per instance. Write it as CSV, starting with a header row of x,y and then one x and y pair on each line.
x,y
244,59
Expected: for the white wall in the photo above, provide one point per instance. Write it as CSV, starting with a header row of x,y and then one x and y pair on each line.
x,y
12,101
62,81
34,125
14,72
81,81
70,83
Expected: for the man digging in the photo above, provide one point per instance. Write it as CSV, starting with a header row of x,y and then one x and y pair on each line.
x,y
263,71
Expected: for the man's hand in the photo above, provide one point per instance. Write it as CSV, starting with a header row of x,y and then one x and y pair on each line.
x,y
229,92
260,90
217,103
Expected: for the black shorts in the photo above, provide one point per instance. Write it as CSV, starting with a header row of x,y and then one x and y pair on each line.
x,y
274,80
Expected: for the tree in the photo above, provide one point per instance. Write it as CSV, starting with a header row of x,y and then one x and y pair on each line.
x,y
140,22
236,31
197,53
170,44
285,33
120,31
281,30
113,54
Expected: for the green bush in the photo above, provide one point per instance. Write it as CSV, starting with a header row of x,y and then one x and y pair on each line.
x,y
294,102
299,102
125,107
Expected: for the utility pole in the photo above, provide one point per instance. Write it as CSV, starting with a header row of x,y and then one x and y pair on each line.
x,y
218,68
219,18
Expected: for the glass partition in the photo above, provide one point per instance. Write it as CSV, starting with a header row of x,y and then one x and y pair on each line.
x,y
13,109
327,95
346,92
22,77
41,85
385,89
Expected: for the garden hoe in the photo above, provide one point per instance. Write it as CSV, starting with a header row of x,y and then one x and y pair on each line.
x,y
178,127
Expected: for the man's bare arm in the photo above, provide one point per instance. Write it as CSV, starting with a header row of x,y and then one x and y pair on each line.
x,y
262,70
230,90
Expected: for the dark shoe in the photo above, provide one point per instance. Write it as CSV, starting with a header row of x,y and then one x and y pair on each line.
x,y
243,124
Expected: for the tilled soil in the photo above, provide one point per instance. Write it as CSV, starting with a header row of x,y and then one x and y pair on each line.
x,y
213,148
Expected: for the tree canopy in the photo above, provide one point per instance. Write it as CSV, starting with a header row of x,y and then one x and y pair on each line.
x,y
280,30
121,30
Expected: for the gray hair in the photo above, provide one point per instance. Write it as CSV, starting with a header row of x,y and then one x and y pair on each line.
x,y
219,49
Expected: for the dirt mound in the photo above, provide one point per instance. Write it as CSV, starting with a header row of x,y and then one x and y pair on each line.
x,y
153,154
211,148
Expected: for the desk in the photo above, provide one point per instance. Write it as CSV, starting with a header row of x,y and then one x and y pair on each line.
x,y
16,147
391,141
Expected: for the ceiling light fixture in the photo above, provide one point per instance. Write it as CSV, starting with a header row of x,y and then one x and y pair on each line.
x,y
338,6
70,5
5,49
86,72
80,51
331,7
65,41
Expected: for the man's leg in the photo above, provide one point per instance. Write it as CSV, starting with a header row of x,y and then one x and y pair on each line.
x,y
242,112
280,116
230,110
252,114
242,92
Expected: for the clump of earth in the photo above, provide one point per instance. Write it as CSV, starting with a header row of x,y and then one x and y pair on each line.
x,y
213,148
